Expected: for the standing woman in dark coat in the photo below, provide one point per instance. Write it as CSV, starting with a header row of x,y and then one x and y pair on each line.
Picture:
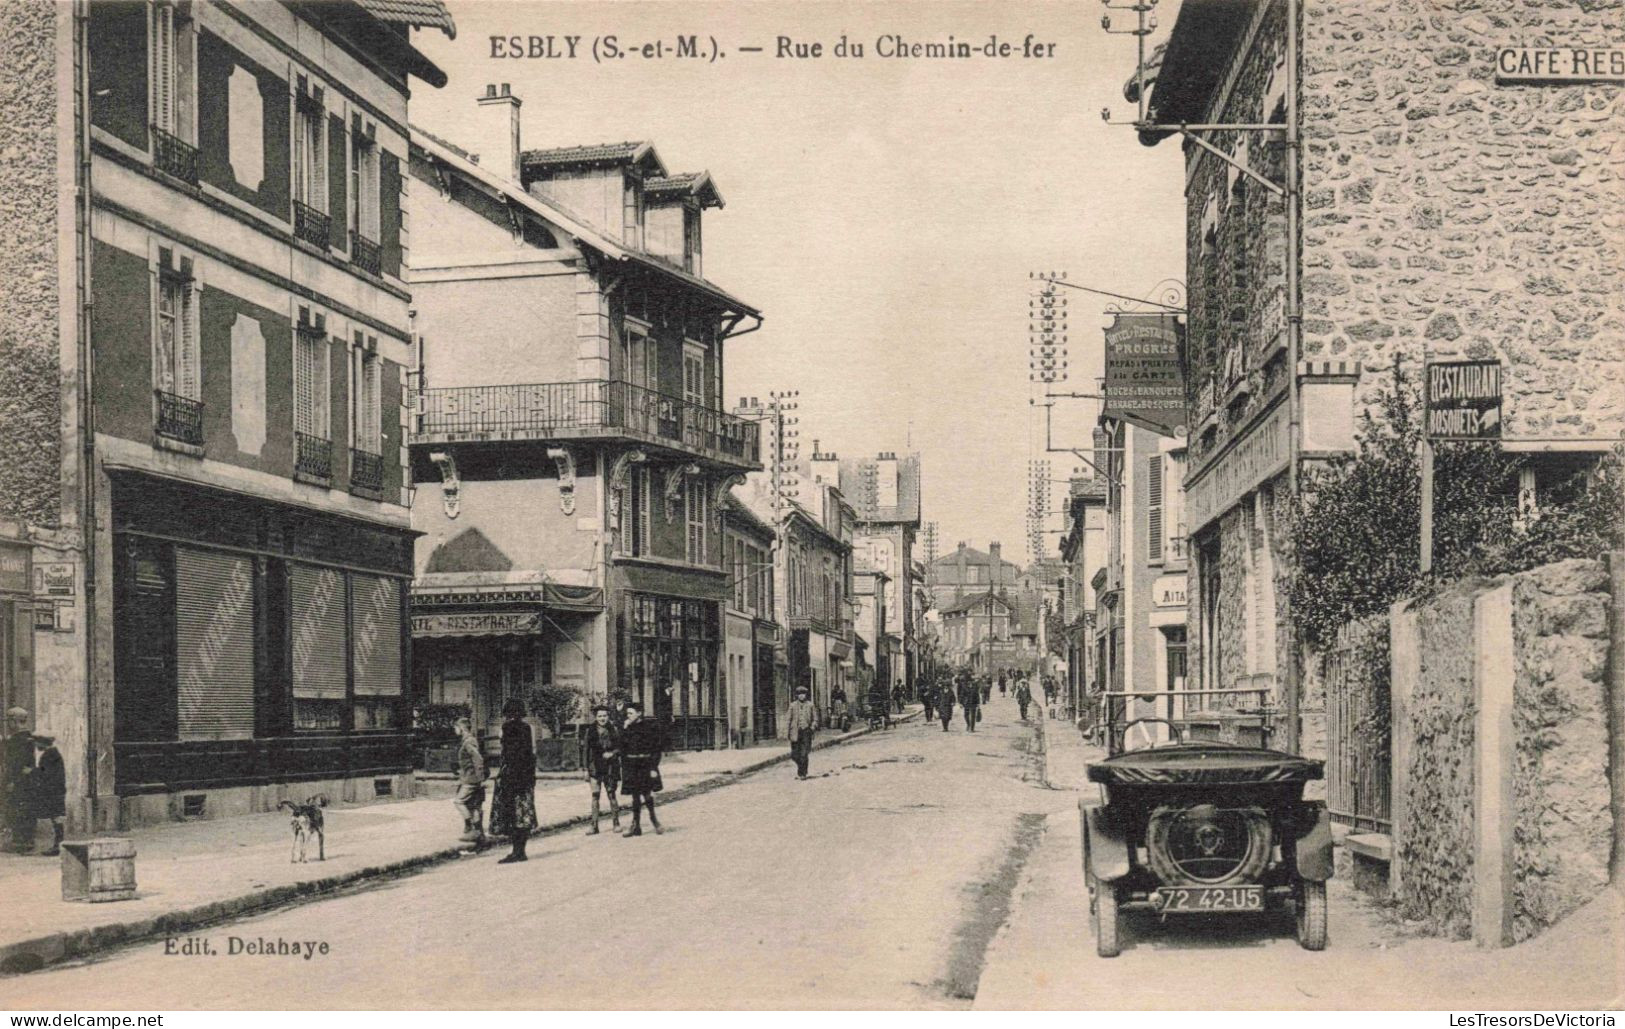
x,y
513,809
642,741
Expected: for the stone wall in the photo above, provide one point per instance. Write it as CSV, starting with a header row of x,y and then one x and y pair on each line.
x,y
1447,216
30,462
1438,854
1503,823
1564,826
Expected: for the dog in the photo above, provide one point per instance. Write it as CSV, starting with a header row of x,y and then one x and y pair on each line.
x,y
307,822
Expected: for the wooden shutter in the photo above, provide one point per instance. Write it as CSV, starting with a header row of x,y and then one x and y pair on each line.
x,y
214,645
1154,509
319,623
337,182
645,505
389,212
377,634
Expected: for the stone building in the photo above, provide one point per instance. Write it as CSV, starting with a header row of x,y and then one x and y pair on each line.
x,y
966,571
1083,553
752,630
572,456
885,494
1451,207
206,487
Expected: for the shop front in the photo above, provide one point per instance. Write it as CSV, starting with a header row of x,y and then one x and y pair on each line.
x,y
16,626
256,644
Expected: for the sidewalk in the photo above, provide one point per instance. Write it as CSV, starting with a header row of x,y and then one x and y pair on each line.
x,y
194,873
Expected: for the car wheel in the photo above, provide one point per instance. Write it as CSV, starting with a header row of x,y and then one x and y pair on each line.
x,y
1312,915
1107,921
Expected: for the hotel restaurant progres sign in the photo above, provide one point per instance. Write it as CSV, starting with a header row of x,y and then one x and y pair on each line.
x,y
1463,400
1144,384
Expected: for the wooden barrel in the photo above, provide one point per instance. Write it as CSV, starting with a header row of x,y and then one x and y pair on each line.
x,y
98,870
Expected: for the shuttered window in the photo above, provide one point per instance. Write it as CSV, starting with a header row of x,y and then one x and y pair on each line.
x,y
377,635
214,645
319,657
697,507
644,504
1154,509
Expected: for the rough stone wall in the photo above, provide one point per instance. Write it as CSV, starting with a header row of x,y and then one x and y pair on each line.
x,y
1447,216
30,381
1564,827
1232,597
1438,854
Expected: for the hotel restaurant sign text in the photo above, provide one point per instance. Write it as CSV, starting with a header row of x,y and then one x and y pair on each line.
x,y
1559,64
1253,459
494,623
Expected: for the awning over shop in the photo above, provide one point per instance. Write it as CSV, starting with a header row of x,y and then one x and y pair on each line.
x,y
675,582
550,596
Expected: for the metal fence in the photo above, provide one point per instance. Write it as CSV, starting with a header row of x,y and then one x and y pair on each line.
x,y
533,410
1358,775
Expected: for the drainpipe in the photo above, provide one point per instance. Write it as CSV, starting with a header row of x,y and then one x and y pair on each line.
x,y
1294,330
86,441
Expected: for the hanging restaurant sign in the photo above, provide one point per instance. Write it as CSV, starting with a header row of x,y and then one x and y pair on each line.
x,y
1464,400
1144,383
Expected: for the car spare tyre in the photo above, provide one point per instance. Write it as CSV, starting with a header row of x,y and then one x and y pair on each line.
x,y
1207,845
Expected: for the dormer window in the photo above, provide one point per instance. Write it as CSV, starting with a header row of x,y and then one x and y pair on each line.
x,y
632,210
691,240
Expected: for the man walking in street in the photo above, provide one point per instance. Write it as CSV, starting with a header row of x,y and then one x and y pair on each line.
x,y
1024,697
16,782
802,722
970,698
987,689
928,696
945,702
470,799
603,753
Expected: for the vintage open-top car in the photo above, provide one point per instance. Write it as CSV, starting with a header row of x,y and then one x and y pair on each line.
x,y
1204,827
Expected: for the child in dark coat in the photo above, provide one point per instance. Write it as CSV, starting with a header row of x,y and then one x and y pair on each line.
x,y
50,789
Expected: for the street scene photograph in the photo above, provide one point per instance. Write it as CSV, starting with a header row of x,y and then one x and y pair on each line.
x,y
812,505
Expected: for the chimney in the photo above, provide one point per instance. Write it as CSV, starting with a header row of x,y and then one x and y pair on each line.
x,y
825,467
494,135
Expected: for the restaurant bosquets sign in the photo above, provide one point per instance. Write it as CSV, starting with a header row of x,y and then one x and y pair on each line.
x,y
1144,382
1464,400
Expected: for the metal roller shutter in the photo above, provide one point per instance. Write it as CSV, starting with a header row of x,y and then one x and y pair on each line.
x,y
377,636
214,635
318,633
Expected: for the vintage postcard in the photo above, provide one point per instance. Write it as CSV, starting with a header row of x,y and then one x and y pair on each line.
x,y
927,506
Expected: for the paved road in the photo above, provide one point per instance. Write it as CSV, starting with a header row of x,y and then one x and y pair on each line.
x,y
877,883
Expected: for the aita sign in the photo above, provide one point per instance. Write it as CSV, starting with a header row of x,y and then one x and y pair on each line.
x,y
1144,384
1463,400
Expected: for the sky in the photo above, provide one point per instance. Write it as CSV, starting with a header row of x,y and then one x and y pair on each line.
x,y
884,213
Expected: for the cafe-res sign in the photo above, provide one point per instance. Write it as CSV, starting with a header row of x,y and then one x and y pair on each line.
x,y
1254,458
1514,64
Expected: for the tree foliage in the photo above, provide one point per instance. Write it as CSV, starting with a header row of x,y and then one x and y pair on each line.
x,y
1356,527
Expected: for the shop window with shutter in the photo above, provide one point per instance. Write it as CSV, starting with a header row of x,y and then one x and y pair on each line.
x,y
320,659
375,619
214,645
697,507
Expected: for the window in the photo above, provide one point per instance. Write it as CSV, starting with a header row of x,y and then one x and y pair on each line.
x,y
697,505
1155,535
309,147
366,421
175,330
320,623
363,183
214,644
694,374
375,651
691,241
632,210
635,506
1174,507
171,91
310,376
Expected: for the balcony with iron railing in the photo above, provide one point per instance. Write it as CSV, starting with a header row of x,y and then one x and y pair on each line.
x,y
174,156
180,418
365,254
311,224
586,409
312,459
366,474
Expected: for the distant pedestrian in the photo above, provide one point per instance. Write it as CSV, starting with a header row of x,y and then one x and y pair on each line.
x,y
16,782
1024,697
970,698
987,689
50,790
928,697
513,808
897,697
603,753
800,727
471,774
1001,684
945,703
644,741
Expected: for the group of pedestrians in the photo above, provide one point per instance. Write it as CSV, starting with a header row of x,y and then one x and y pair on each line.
x,y
971,693
33,786
622,751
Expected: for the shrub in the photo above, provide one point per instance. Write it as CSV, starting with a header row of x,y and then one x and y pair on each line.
x,y
434,723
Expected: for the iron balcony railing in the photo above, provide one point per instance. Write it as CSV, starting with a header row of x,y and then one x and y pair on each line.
x,y
586,407
174,156
365,253
312,457
180,418
310,224
366,473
